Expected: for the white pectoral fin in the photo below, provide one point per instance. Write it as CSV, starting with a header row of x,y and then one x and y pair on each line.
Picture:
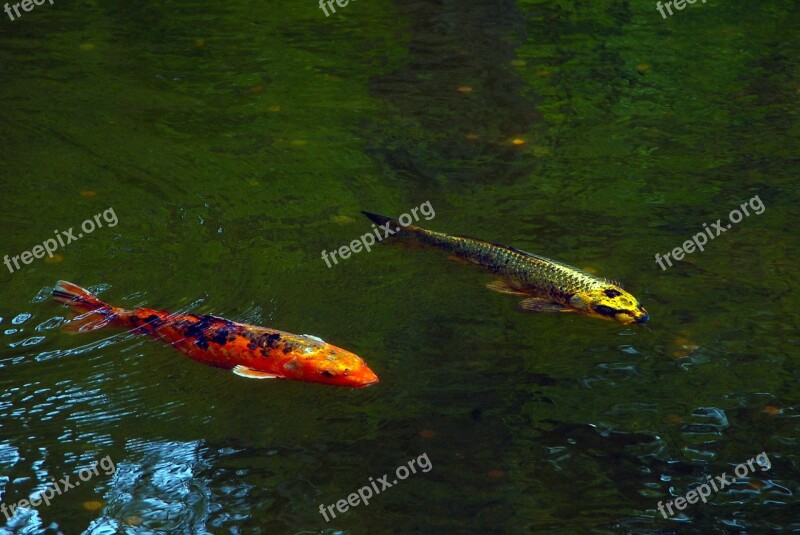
x,y
533,304
250,373
317,338
504,287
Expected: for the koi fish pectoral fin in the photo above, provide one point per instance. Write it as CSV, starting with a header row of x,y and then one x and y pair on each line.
x,y
533,304
250,373
458,259
504,287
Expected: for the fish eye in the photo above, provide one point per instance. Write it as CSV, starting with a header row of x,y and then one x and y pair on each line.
x,y
612,293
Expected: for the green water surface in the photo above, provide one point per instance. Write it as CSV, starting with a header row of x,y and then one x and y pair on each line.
x,y
236,141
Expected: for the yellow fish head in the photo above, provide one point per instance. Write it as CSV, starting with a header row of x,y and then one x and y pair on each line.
x,y
610,302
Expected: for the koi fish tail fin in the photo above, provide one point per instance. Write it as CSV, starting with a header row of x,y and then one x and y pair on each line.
x,y
388,227
93,313
379,219
75,296
411,236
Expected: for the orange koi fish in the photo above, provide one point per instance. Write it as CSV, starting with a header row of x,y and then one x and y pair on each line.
x,y
250,351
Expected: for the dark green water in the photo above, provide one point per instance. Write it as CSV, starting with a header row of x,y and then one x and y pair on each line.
x,y
235,142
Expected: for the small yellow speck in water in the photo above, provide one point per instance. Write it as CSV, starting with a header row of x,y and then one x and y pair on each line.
x,y
199,43
343,219
88,193
772,411
518,141
544,73
55,259
133,520
518,62
427,433
684,347
471,136
495,474
274,108
464,89
643,67
256,89
93,505
87,47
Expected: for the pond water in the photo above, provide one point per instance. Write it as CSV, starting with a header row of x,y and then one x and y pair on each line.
x,y
235,142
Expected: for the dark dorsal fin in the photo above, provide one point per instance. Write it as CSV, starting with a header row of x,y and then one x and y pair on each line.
x,y
536,256
556,262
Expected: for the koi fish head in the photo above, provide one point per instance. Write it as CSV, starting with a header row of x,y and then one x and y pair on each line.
x,y
320,362
610,302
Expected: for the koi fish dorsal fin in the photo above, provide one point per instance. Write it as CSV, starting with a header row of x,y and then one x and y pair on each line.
x,y
538,257
250,373
317,338
562,264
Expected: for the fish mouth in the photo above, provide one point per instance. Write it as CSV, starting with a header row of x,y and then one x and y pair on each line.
x,y
355,381
363,379
624,316
369,379
642,317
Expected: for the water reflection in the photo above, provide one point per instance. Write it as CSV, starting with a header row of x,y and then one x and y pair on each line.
x,y
162,487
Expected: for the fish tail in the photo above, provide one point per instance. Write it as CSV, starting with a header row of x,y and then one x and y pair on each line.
x,y
94,313
75,296
379,219
393,226
411,236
